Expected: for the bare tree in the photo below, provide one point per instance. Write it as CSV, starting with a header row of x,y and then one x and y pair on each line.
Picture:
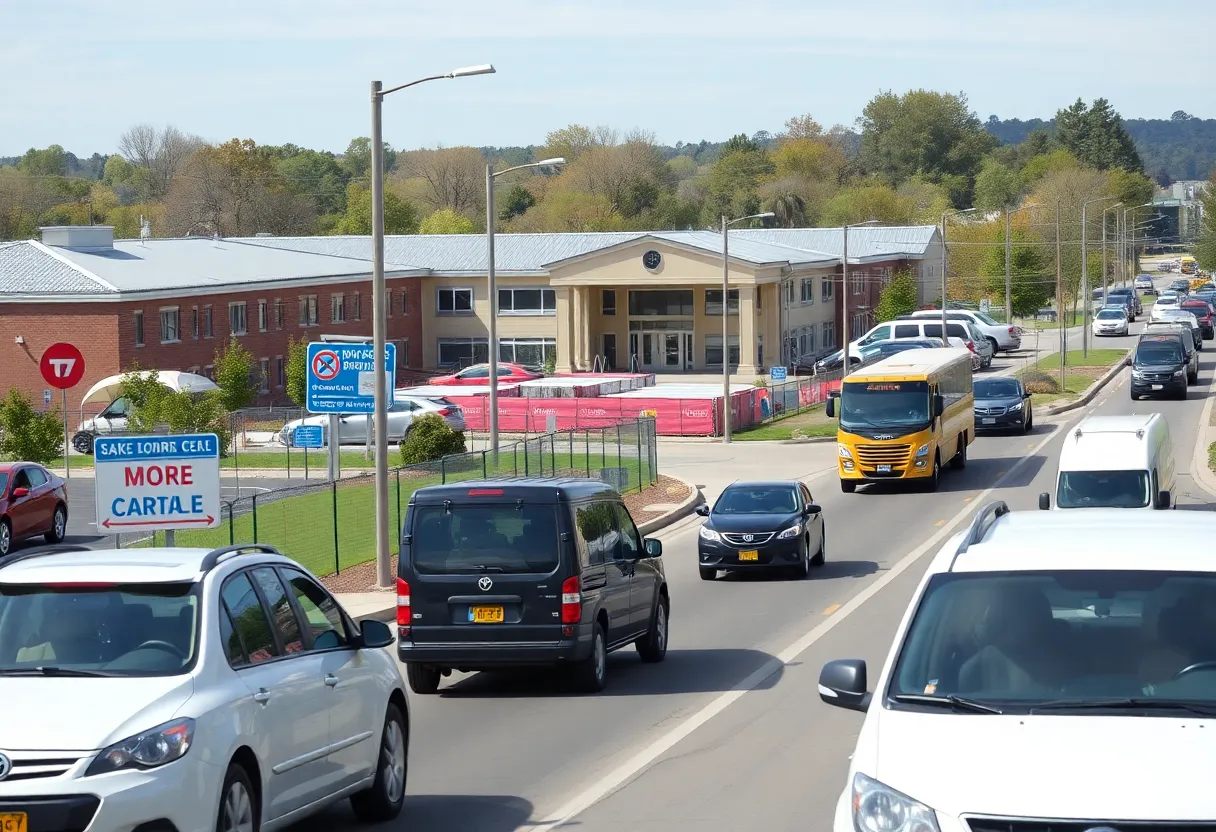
x,y
162,154
453,177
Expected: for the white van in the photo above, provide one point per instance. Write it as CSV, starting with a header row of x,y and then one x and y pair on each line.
x,y
1115,462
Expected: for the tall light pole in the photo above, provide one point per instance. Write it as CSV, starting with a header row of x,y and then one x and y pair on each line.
x,y
1060,302
726,224
844,296
384,575
945,216
492,328
1104,210
1085,273
1009,259
1129,243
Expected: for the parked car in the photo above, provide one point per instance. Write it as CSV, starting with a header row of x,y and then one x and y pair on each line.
x,y
497,574
1001,336
911,326
1203,312
1144,283
480,374
1001,404
224,689
401,414
758,526
33,503
1111,320
867,354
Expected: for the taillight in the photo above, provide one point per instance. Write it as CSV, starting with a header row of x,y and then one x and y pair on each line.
x,y
447,411
971,346
572,601
403,605
1011,330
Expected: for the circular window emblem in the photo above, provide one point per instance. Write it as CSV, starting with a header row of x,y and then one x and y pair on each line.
x,y
484,584
6,766
652,260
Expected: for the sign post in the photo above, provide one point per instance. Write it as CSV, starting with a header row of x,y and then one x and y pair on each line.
x,y
307,436
341,379
157,483
62,366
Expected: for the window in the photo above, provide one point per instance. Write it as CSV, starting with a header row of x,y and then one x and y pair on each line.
x,y
207,322
530,352
661,302
139,328
236,318
596,524
283,617
462,351
321,613
451,301
808,291
609,350
630,541
36,476
608,302
388,303
829,334
356,311
233,650
527,302
858,280
337,308
308,310
194,322
826,288
264,369
169,330
713,302
713,350
405,303
278,313
280,372
249,620
858,323
471,539
907,331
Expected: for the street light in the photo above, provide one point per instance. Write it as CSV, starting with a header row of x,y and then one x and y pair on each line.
x,y
379,314
945,216
1085,272
491,175
844,296
1009,259
726,224
1104,210
1126,254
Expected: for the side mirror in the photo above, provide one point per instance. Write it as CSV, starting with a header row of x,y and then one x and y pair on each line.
x,y
829,407
939,404
20,492
1044,501
811,510
1025,395
654,548
1164,499
703,510
376,634
1127,361
843,683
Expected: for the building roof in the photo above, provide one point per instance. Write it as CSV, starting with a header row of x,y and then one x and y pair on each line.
x,y
28,268
865,243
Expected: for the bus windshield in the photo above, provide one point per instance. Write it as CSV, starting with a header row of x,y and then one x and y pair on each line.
x,y
884,404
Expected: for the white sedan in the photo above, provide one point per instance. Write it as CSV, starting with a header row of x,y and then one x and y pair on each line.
x,y
1111,320
401,414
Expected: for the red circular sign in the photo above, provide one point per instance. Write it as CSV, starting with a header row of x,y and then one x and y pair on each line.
x,y
62,366
326,365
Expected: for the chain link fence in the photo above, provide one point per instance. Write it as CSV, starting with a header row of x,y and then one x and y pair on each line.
x,y
329,526
797,395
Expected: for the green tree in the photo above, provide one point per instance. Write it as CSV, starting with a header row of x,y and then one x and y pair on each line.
x,y
154,405
997,187
236,376
899,297
446,221
297,370
858,203
516,203
1097,137
50,161
1031,276
400,217
789,208
734,181
315,174
27,434
430,437
357,160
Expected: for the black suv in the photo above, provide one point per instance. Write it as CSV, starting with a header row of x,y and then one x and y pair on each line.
x,y
1159,367
525,572
1116,296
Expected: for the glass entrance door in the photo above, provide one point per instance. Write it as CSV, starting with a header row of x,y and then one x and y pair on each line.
x,y
663,349
673,351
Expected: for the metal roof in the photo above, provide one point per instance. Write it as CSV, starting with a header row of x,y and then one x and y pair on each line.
x,y
28,268
864,243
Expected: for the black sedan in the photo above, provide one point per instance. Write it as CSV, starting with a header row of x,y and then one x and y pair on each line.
x,y
761,526
1002,404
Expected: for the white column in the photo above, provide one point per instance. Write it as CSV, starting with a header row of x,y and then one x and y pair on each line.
x,y
565,331
747,333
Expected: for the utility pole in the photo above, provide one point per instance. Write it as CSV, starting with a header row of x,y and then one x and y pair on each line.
x,y
1008,272
1085,301
1060,302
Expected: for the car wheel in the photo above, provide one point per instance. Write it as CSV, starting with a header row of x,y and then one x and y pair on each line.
x,y
590,674
83,443
848,486
59,525
959,461
821,557
6,538
803,569
708,573
423,678
1028,425
935,479
238,810
1135,398
384,799
652,647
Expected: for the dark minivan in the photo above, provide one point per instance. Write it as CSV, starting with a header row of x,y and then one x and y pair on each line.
x,y
507,573
1159,367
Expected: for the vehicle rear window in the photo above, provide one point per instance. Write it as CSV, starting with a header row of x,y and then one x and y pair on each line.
x,y
476,538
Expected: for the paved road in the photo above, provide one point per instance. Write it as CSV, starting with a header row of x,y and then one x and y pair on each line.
x,y
729,730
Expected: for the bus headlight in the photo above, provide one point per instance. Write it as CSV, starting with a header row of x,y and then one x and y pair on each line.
x,y
844,452
922,451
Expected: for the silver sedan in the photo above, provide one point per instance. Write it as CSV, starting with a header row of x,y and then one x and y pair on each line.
x,y
401,414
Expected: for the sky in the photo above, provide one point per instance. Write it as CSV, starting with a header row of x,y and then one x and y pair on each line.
x,y
79,72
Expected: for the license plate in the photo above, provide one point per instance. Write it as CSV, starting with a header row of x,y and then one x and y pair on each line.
x,y
1158,386
883,469
987,421
478,615
749,554
13,822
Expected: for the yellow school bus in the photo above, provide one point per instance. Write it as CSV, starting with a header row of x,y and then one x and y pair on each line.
x,y
904,417
1187,265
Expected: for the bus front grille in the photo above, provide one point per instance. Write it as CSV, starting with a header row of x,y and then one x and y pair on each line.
x,y
882,454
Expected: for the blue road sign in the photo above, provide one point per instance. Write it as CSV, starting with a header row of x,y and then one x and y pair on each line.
x,y
777,373
307,436
341,377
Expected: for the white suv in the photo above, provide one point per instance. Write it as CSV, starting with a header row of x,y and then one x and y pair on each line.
x,y
1001,336
1055,670
189,690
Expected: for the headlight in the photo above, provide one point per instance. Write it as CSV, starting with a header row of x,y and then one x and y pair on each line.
x,y
844,451
923,450
877,808
792,531
1015,407
1179,373
1137,374
710,534
154,747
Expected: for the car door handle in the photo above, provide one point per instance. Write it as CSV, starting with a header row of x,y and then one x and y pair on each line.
x,y
331,680
262,696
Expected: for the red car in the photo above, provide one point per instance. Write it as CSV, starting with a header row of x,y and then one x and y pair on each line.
x,y
1202,310
480,374
33,501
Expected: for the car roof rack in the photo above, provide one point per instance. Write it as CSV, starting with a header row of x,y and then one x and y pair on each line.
x,y
983,521
212,559
54,549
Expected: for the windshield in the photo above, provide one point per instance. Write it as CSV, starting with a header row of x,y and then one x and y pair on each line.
x,y
884,404
3,482
774,500
1158,352
467,539
994,388
1014,640
120,630
1111,314
1102,489
986,319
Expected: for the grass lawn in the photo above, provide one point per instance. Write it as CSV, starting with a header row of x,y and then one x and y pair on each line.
x,y
1076,382
1071,319
813,422
1074,358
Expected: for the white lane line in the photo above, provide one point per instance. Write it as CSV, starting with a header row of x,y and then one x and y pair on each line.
x,y
633,766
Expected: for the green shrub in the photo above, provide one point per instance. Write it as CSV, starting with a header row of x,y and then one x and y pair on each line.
x,y
26,434
1037,381
428,438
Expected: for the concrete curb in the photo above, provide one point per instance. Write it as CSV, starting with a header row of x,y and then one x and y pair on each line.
x,y
808,440
694,499
1200,472
1092,390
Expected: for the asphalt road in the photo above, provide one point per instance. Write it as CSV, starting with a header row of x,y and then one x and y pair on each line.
x,y
729,732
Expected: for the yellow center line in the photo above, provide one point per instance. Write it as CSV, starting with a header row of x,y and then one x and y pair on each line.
x,y
940,523
966,499
832,609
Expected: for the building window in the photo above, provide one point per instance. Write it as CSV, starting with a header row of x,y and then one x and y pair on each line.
x,y
608,302
280,372
462,351
527,302
388,303
263,316
308,310
451,301
278,313
405,302
713,302
829,334
207,329
808,291
661,303
356,311
826,293
194,322
264,372
713,350
337,308
139,329
170,330
530,352
237,324
858,280
858,323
